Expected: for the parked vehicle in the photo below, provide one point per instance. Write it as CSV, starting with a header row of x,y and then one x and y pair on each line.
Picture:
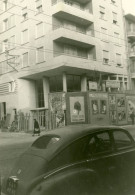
x,y
76,161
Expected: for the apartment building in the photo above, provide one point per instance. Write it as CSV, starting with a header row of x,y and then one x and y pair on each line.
x,y
59,46
130,36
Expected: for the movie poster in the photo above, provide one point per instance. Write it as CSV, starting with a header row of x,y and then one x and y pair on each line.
x,y
130,108
77,111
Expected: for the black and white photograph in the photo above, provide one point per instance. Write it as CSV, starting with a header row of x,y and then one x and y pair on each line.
x,y
67,97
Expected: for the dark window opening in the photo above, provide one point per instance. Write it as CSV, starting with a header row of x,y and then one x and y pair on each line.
x,y
73,83
40,94
56,83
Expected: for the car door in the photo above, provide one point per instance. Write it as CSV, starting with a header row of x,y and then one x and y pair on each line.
x,y
100,156
72,175
125,159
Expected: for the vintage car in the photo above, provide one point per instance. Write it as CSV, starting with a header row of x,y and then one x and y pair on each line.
x,y
76,160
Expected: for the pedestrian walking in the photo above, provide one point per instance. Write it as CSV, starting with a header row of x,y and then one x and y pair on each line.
x,y
36,128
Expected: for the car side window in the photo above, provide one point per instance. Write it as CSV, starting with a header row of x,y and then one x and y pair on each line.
x,y
121,139
71,154
99,143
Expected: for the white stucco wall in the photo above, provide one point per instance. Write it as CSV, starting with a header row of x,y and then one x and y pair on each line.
x,y
26,94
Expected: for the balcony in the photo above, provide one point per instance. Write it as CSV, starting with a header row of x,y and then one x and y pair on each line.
x,y
64,35
83,1
132,54
131,35
66,11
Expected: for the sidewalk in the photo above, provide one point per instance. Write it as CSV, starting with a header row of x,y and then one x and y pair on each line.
x,y
9,138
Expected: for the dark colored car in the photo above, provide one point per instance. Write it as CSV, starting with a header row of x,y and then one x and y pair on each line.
x,y
76,161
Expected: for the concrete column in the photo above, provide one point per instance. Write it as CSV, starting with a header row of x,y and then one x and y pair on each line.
x,y
83,82
46,90
64,82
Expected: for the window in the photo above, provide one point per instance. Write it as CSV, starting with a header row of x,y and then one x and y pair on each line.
x,y
104,34
69,25
131,27
40,54
25,59
11,42
39,29
12,86
24,13
116,38
118,59
25,36
73,153
6,24
71,50
102,12
105,57
99,143
11,21
39,6
5,45
122,140
46,141
5,5
115,18
56,83
40,93
73,83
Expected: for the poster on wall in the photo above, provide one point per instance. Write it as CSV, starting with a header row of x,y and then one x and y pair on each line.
x,y
121,109
77,111
130,108
113,116
112,102
121,115
112,109
57,105
57,102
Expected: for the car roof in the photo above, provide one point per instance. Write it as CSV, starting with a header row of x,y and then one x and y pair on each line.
x,y
75,131
67,136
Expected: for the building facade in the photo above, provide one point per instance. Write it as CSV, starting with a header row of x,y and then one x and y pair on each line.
x,y
59,46
130,36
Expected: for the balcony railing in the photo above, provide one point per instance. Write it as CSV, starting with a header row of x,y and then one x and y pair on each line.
x,y
56,54
85,32
71,3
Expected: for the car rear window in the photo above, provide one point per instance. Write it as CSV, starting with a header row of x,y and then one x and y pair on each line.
x,y
45,141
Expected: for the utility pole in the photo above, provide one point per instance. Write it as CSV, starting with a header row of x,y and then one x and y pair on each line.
x,y
7,55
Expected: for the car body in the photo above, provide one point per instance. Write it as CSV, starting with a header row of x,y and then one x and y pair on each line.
x,y
76,160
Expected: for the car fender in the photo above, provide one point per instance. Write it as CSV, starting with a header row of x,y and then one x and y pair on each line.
x,y
73,181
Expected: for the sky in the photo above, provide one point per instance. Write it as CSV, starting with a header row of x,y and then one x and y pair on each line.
x,y
129,6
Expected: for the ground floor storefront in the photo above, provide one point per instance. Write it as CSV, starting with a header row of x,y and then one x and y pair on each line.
x,y
95,108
